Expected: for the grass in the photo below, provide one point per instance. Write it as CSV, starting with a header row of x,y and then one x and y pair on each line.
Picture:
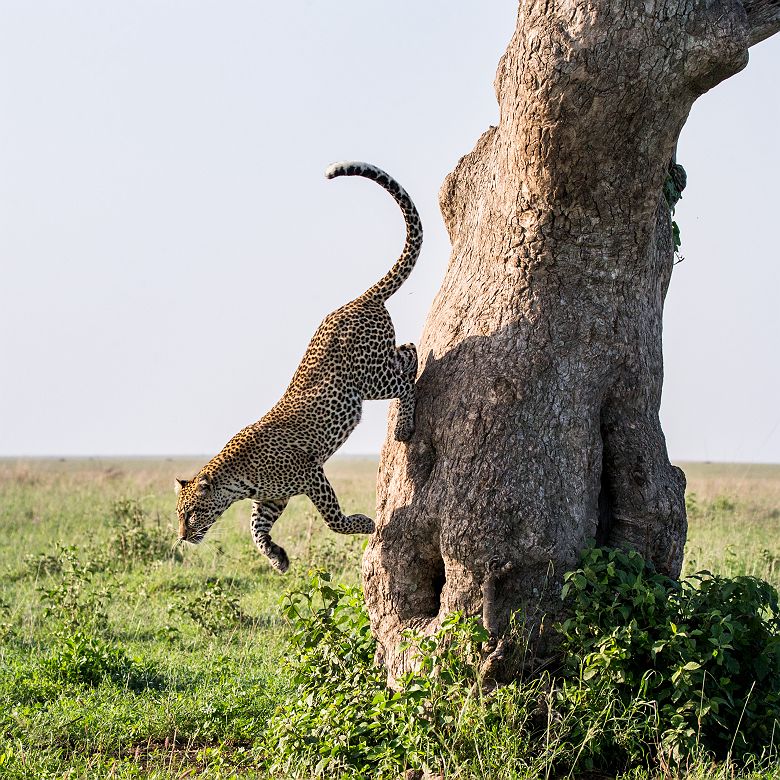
x,y
120,658
734,519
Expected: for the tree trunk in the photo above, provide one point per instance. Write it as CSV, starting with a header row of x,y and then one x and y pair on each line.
x,y
541,362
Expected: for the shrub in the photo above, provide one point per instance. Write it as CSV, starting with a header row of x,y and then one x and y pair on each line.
x,y
83,658
47,564
651,669
340,719
340,716
705,650
81,650
215,609
136,540
72,600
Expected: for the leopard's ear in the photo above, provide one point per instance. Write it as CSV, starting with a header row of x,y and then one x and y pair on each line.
x,y
179,484
205,484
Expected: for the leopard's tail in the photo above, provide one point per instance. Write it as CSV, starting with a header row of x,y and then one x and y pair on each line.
x,y
399,273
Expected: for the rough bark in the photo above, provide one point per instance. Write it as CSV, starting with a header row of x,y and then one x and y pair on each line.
x,y
763,18
541,362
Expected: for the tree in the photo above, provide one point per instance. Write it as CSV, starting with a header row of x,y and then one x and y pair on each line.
x,y
541,362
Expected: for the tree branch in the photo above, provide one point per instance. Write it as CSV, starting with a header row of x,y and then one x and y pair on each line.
x,y
763,19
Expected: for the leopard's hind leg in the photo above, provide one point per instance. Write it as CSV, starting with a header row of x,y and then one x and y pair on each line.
x,y
322,495
264,515
395,379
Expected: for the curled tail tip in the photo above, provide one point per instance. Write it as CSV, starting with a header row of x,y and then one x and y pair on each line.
x,y
354,168
333,170
341,168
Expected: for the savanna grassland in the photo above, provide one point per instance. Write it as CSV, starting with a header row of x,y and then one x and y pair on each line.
x,y
123,657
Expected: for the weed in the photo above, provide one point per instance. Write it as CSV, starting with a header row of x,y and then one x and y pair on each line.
x,y
46,564
72,601
340,717
335,555
692,506
136,540
770,562
215,609
6,625
722,505
79,657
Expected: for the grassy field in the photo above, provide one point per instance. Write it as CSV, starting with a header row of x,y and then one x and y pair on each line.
x,y
121,658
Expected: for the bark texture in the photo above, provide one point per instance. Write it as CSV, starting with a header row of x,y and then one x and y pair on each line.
x,y
541,363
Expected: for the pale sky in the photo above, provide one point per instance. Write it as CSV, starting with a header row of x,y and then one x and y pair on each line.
x,y
168,242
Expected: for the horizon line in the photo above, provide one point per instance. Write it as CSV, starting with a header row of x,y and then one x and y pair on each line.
x,y
202,456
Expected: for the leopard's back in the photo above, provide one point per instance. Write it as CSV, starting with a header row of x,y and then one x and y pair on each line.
x,y
323,402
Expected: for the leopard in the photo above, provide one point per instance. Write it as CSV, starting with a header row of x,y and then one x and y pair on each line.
x,y
352,357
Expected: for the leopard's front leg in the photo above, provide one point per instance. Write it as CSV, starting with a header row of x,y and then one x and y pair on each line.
x,y
264,515
323,497
406,362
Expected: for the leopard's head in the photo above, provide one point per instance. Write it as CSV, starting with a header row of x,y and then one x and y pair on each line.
x,y
198,506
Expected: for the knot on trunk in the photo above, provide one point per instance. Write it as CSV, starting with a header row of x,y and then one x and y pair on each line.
x,y
495,569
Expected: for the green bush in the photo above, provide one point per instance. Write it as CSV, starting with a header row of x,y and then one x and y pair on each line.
x,y
652,669
341,718
81,648
83,658
705,650
71,599
136,539
215,609
337,718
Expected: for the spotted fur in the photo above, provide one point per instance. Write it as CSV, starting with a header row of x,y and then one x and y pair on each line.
x,y
352,357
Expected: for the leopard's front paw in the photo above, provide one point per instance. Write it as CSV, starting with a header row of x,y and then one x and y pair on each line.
x,y
360,524
278,558
403,430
